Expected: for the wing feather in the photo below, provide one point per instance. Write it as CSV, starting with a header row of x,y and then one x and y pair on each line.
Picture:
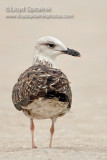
x,y
41,81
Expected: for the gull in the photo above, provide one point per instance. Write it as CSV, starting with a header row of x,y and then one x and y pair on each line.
x,y
42,91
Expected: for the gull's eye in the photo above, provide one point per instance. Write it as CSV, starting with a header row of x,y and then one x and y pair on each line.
x,y
51,45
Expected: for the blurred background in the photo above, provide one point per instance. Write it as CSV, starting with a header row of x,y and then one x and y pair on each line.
x,y
84,127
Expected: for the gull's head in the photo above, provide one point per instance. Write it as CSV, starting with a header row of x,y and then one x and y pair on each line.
x,y
50,47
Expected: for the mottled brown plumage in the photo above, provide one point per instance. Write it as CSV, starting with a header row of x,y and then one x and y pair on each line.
x,y
43,91
40,81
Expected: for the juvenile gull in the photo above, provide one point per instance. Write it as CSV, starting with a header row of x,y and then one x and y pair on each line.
x,y
42,91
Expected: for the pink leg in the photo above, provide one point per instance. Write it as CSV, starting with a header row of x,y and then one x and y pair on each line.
x,y
32,131
52,132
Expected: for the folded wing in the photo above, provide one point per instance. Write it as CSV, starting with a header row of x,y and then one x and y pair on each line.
x,y
39,81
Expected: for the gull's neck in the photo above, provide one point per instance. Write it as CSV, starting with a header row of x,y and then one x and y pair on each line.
x,y
39,59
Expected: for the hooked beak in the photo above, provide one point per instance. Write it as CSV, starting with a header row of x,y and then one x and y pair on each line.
x,y
72,52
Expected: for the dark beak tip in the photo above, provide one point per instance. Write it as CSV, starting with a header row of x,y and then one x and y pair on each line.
x,y
79,55
72,52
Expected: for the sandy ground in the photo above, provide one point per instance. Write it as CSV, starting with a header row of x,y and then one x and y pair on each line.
x,y
82,133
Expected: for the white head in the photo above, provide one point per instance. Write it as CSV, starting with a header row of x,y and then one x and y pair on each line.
x,y
48,48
